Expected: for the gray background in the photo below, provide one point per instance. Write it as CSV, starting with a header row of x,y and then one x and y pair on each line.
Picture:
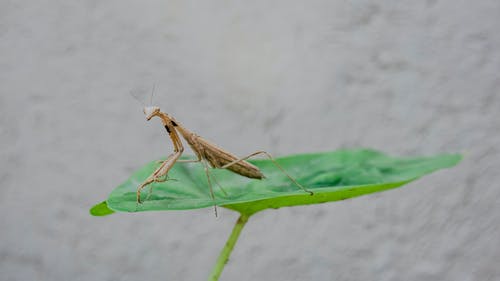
x,y
404,77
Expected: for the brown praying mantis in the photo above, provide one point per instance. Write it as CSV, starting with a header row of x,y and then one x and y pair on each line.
x,y
206,152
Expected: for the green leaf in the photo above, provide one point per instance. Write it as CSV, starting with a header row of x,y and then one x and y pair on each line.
x,y
332,176
101,209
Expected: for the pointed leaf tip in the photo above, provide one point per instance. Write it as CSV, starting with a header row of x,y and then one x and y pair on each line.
x,y
101,209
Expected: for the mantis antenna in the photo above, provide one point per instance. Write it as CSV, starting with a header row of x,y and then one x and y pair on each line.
x,y
136,98
152,92
150,98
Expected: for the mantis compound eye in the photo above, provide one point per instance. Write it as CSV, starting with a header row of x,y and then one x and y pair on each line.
x,y
150,109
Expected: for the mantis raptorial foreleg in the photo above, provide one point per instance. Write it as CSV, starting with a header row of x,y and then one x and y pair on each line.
x,y
165,178
139,189
159,172
196,161
272,160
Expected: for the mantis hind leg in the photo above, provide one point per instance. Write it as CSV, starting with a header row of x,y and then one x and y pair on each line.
x,y
275,164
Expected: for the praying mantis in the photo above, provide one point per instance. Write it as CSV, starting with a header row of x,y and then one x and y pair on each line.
x,y
206,152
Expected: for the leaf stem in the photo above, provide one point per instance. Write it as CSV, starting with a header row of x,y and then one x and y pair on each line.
x,y
228,248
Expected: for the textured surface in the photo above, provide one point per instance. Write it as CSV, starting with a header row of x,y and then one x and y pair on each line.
x,y
405,77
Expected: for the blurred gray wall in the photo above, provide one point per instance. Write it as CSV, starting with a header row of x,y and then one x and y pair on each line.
x,y
404,77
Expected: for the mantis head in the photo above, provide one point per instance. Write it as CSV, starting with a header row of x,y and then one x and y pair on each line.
x,y
151,111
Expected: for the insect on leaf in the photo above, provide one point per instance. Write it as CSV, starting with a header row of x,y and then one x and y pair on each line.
x,y
332,176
